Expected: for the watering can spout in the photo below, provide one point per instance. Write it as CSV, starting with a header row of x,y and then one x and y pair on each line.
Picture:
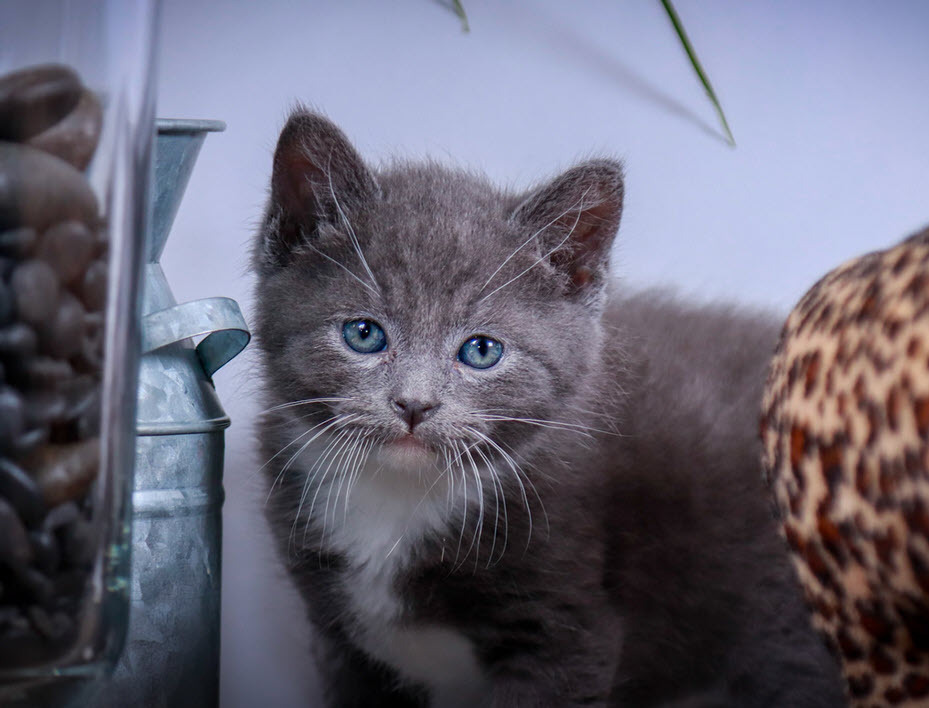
x,y
176,150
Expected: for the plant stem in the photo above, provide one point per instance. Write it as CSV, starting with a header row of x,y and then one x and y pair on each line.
x,y
682,35
460,11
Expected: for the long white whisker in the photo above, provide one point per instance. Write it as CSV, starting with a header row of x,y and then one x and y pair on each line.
x,y
342,469
329,423
346,466
464,484
448,487
351,467
303,402
353,236
337,455
332,454
313,471
580,210
311,478
609,417
334,261
290,444
480,499
359,464
415,509
495,480
519,248
516,473
543,423
289,421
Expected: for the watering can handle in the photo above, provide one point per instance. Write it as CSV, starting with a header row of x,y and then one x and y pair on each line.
x,y
219,318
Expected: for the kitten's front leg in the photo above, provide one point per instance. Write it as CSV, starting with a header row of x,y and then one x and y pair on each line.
x,y
524,694
575,666
550,687
352,680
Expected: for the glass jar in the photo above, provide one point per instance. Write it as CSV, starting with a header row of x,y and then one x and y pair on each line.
x,y
76,131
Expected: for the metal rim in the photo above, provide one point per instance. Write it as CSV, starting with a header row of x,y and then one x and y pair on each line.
x,y
210,425
189,125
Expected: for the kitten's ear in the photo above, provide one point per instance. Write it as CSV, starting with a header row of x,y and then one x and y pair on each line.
x,y
317,178
577,215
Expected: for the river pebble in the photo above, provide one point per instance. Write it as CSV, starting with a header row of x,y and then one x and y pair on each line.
x,y
74,138
21,491
35,287
65,472
36,98
68,247
12,416
18,242
15,550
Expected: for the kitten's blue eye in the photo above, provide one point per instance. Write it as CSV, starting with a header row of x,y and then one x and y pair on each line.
x,y
480,352
364,336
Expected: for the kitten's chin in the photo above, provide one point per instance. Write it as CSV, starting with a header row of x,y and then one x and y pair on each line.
x,y
408,452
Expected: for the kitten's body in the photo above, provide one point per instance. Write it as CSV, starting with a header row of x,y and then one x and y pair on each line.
x,y
624,554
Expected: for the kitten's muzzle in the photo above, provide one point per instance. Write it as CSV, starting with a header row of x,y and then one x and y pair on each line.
x,y
413,412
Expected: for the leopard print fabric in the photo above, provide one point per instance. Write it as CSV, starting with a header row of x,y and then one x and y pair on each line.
x,y
845,427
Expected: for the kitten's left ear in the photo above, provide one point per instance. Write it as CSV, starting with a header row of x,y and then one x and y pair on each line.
x,y
317,178
577,216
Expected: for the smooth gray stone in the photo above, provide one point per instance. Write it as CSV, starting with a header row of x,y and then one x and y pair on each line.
x,y
93,288
78,543
64,472
74,138
44,407
62,334
38,190
61,515
30,441
21,491
10,616
68,247
17,242
45,549
79,393
83,394
36,288
91,356
12,417
53,627
15,548
35,98
68,585
7,304
89,414
18,339
46,372
36,583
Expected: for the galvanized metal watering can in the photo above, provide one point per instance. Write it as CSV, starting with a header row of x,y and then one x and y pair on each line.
x,y
171,656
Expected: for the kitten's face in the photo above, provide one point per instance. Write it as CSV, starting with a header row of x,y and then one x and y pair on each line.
x,y
429,309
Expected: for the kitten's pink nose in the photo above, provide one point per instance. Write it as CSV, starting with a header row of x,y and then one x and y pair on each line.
x,y
414,412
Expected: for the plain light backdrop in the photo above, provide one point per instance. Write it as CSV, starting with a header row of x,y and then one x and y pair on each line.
x,y
829,103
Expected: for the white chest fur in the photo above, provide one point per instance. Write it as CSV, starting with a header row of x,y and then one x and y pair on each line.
x,y
388,512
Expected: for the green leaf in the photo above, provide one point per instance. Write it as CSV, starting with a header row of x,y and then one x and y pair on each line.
x,y
679,28
460,11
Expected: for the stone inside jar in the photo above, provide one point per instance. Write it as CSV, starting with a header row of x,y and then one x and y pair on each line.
x,y
53,279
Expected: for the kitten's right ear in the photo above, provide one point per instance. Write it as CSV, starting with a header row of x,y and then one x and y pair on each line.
x,y
575,218
317,178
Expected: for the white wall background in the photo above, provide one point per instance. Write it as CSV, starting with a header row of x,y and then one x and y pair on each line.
x,y
829,103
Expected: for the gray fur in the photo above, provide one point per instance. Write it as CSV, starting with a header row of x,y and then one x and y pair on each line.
x,y
641,564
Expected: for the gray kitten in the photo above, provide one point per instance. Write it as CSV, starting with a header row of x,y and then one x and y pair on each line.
x,y
494,481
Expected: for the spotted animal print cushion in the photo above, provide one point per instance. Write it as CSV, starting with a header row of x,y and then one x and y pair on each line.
x,y
846,447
